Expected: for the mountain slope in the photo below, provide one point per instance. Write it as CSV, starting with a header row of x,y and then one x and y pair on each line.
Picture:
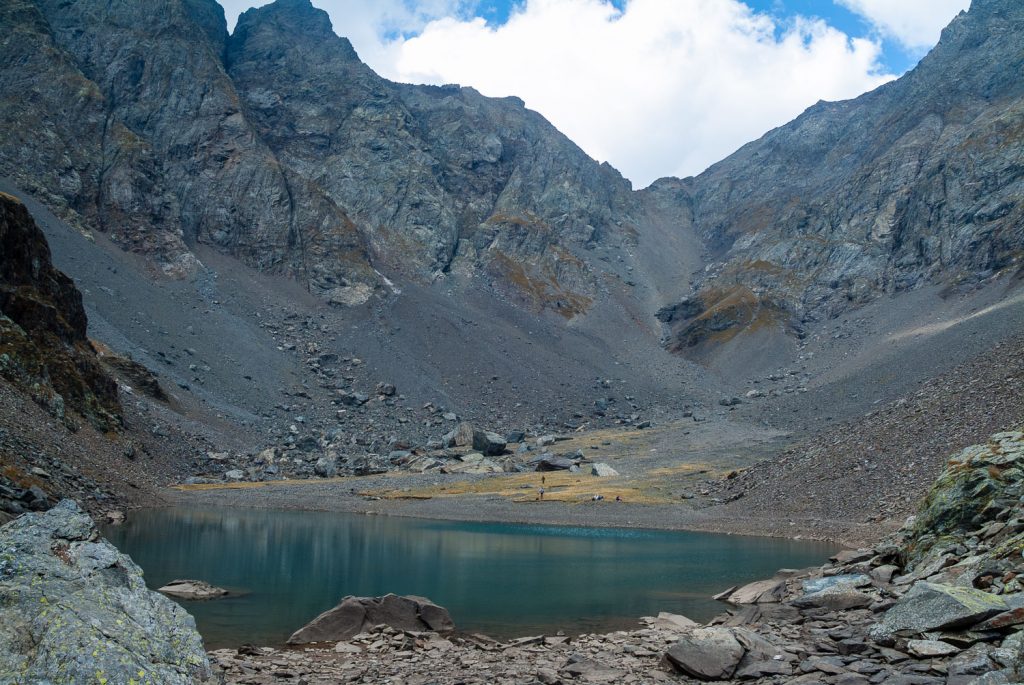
x,y
919,181
278,146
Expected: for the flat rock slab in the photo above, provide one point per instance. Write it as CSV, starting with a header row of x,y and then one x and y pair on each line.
x,y
707,654
590,671
836,598
669,621
759,592
192,589
926,649
848,579
355,615
930,606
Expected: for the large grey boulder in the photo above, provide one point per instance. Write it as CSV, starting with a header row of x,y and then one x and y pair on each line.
x,y
707,654
931,606
490,444
75,610
355,615
460,436
326,467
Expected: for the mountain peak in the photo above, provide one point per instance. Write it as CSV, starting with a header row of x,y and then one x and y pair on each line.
x,y
291,16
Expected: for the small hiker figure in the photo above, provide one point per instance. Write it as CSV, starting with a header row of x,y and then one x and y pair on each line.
x,y
618,498
541,494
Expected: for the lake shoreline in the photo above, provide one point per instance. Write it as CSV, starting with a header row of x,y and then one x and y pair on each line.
x,y
343,495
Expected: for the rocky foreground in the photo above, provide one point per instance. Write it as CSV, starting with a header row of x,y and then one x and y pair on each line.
x,y
938,603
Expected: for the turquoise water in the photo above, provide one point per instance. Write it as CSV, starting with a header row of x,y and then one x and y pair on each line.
x,y
503,580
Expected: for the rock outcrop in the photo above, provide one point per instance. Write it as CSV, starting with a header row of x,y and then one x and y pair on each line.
x,y
44,348
75,610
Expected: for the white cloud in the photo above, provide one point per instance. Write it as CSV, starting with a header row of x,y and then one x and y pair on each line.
x,y
663,88
914,23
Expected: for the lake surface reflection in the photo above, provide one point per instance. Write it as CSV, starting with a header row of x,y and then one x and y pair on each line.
x,y
500,579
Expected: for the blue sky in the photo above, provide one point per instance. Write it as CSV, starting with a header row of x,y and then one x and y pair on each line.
x,y
654,87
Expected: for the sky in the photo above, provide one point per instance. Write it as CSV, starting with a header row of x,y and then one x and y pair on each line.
x,y
654,87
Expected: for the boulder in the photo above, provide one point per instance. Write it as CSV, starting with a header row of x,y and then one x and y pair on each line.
x,y
490,444
192,589
515,436
930,606
326,467
603,471
549,462
707,654
355,615
460,436
669,621
234,474
75,610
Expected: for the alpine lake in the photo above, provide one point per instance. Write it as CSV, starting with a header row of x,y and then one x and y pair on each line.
x,y
284,568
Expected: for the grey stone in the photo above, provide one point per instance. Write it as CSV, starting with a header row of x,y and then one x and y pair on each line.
x,y
192,589
355,615
835,598
326,467
707,654
758,592
849,579
75,607
489,443
603,471
930,606
926,649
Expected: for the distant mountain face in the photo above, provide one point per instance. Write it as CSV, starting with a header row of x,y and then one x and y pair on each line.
x,y
921,180
146,120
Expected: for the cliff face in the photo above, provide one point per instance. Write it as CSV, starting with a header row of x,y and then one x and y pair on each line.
x,y
918,181
43,343
277,145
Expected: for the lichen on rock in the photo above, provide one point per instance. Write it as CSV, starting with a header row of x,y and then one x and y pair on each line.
x,y
73,609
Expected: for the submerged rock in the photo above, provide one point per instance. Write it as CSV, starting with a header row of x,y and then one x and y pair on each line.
x,y
355,615
75,610
192,589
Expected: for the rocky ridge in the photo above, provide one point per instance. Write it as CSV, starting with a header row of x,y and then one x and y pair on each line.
x,y
43,343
